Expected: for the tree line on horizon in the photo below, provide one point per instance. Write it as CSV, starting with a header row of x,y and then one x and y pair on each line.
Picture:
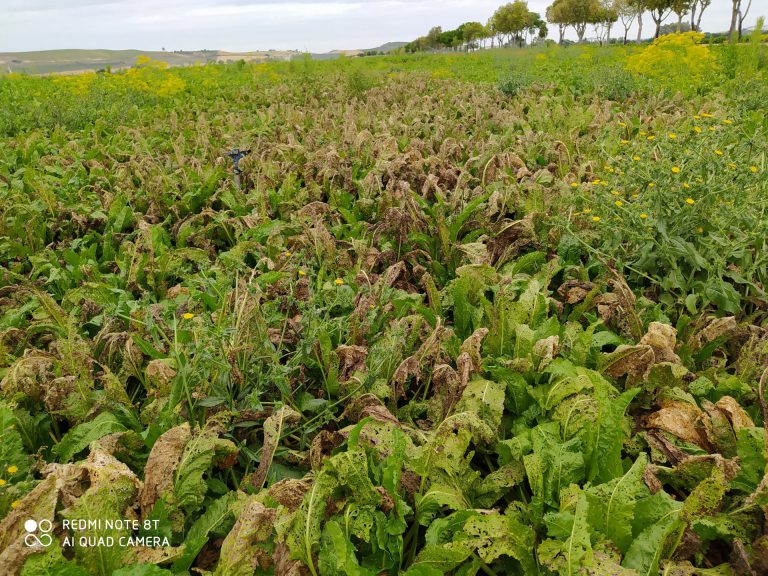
x,y
514,24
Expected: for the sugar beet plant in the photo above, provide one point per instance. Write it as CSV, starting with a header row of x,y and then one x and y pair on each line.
x,y
438,328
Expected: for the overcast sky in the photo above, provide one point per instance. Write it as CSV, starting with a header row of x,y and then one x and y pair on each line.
x,y
243,25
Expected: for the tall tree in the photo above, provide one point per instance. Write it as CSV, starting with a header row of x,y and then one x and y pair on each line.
x,y
681,8
471,32
576,13
626,11
659,10
641,8
511,20
743,15
697,9
556,14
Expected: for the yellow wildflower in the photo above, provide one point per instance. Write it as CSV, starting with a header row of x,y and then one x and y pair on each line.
x,y
705,115
686,185
2,482
712,128
574,184
700,230
619,203
675,170
635,195
719,152
753,169
696,116
672,135
625,141
651,185
697,129
690,201
699,180
622,124
615,192
187,315
732,165
651,137
339,282
643,215
635,157
12,469
302,273
595,218
729,122
587,210
642,133
288,254
15,503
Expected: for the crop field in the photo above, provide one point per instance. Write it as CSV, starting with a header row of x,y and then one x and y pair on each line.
x,y
491,313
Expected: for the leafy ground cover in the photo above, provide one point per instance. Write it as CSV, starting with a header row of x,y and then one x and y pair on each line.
x,y
500,313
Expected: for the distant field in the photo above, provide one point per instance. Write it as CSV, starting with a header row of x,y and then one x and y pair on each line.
x,y
73,61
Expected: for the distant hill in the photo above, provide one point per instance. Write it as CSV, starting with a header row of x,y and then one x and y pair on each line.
x,y
388,47
73,61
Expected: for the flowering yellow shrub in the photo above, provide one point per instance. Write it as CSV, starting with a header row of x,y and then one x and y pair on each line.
x,y
679,61
78,84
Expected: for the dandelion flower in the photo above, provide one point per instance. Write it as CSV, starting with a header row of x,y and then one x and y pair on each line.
x,y
672,135
2,482
690,201
587,210
187,315
696,116
675,170
705,115
302,273
712,128
732,165
697,129
339,282
642,133
635,195
15,503
686,185
623,124
371,306
700,230
643,215
574,184
577,214
12,469
619,203
729,122
625,141
753,169
615,192
288,254
651,185
635,157
595,218
719,152
651,137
